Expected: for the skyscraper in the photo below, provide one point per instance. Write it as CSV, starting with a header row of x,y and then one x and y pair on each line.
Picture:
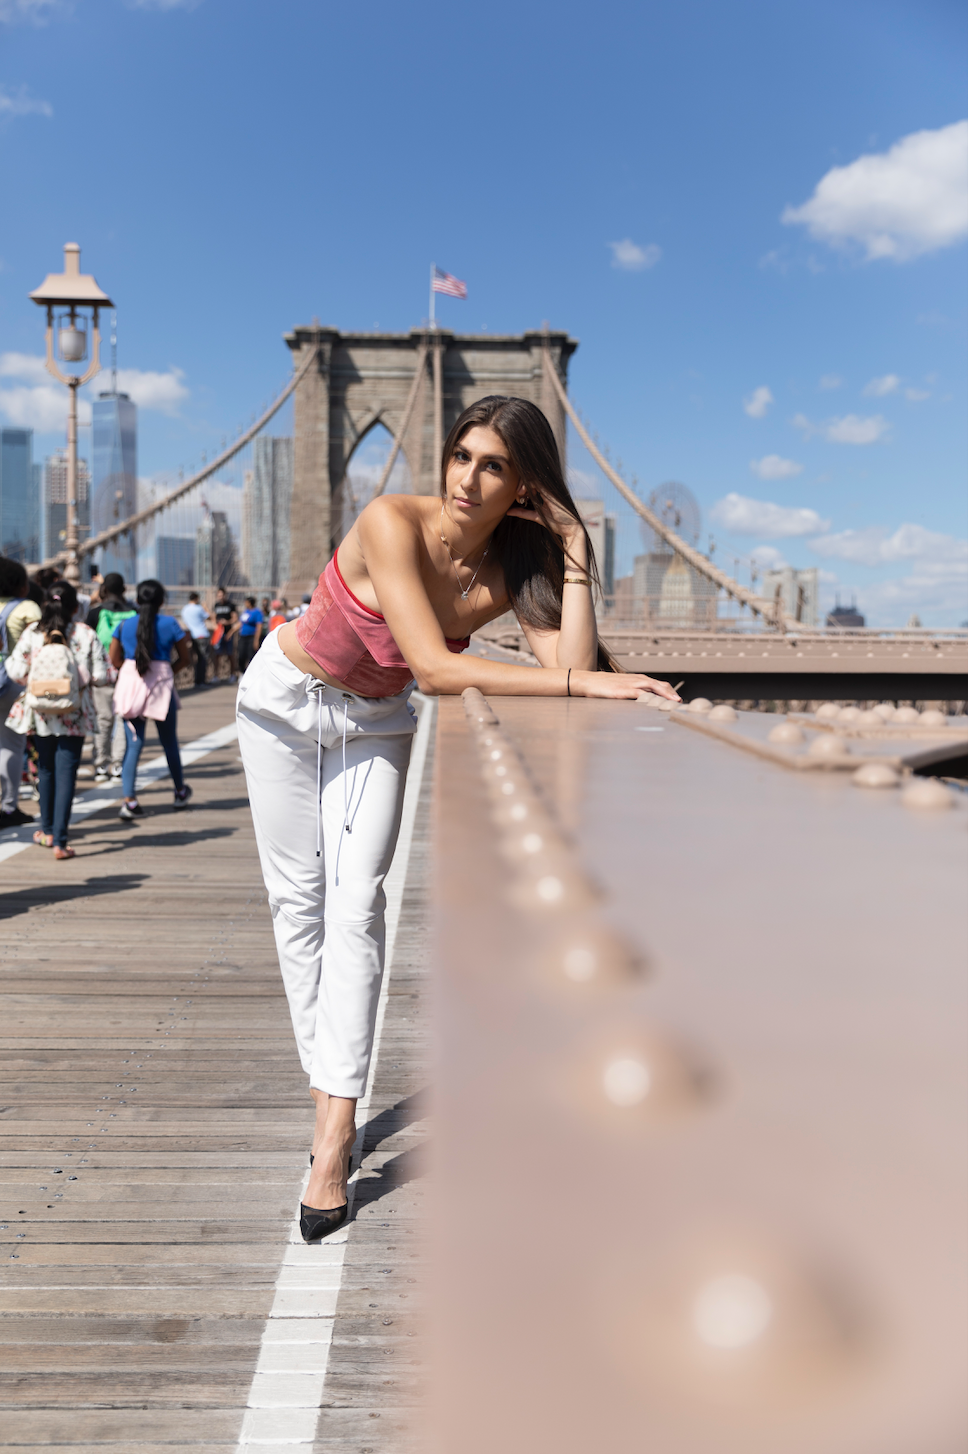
x,y
19,496
267,497
214,551
55,501
114,484
175,556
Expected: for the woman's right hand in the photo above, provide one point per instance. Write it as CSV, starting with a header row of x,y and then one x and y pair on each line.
x,y
622,685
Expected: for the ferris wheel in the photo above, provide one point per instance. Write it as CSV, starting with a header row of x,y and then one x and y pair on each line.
x,y
677,507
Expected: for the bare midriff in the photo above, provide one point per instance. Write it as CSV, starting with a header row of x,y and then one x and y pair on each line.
x,y
301,660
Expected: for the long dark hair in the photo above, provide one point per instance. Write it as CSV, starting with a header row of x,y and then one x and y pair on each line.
x,y
151,598
531,557
57,613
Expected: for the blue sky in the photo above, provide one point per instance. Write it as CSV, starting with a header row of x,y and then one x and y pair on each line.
x,y
233,167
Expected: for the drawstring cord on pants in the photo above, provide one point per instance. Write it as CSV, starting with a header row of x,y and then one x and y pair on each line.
x,y
319,769
346,804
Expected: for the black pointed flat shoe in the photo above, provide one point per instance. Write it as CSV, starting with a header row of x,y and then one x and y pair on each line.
x,y
315,1224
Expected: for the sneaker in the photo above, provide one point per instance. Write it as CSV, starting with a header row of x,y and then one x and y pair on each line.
x,y
181,797
14,819
102,775
131,810
116,769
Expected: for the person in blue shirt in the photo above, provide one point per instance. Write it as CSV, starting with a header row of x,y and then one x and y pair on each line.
x,y
250,632
197,619
146,638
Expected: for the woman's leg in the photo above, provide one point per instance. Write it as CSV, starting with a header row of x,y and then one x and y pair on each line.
x,y
280,768
46,749
168,737
135,733
361,820
66,759
367,801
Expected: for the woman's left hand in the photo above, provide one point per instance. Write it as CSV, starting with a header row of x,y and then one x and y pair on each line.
x,y
560,521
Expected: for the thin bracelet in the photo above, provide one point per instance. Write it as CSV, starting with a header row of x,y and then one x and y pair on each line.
x,y
576,581
568,681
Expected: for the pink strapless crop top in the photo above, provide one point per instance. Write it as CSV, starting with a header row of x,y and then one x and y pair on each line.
x,y
352,643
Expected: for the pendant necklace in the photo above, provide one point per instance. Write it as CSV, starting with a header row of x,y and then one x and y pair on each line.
x,y
463,592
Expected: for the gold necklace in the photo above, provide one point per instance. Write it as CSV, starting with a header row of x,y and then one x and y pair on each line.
x,y
463,591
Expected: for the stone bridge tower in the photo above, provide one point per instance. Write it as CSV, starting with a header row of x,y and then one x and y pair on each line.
x,y
364,379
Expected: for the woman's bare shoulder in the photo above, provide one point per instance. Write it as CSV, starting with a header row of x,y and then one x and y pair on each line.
x,y
402,510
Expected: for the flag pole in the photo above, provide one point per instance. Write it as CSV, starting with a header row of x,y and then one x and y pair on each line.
x,y
433,269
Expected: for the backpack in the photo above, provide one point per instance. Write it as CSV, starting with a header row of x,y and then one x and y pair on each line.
x,y
5,681
53,686
106,622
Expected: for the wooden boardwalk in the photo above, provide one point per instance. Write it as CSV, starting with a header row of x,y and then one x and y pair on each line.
x,y
154,1127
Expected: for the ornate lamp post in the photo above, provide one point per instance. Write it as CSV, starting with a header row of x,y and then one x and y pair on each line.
x,y
73,292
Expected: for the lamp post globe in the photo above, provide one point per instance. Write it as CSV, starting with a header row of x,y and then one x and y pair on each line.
x,y
75,295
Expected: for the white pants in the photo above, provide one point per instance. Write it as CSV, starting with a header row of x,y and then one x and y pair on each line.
x,y
325,852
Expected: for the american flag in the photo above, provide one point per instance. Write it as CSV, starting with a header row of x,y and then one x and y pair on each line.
x,y
447,283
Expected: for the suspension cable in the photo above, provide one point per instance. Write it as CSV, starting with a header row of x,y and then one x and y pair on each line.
x,y
94,542
405,422
770,611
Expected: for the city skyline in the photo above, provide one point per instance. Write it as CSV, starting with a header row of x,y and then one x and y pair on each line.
x,y
749,322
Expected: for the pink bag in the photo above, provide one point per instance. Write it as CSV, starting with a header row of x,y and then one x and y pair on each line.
x,y
145,696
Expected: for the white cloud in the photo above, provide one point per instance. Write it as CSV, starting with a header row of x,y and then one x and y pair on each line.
x,y
850,429
761,517
831,381
877,388
936,586
584,485
149,390
854,430
767,557
631,258
758,402
21,103
24,366
773,467
40,406
916,396
910,200
33,10
874,546
38,402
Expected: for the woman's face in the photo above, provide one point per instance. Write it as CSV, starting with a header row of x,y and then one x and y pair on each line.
x,y
481,482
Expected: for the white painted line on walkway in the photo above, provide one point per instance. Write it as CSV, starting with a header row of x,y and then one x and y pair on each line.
x,y
290,1376
15,840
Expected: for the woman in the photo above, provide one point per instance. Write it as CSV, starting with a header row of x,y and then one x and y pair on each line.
x,y
141,649
58,736
325,723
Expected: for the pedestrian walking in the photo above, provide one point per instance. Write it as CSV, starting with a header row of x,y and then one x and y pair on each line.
x,y
278,614
17,612
109,739
60,660
325,723
225,637
141,652
196,619
250,632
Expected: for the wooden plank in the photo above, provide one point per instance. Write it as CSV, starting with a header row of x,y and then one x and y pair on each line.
x,y
143,1284
373,1388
